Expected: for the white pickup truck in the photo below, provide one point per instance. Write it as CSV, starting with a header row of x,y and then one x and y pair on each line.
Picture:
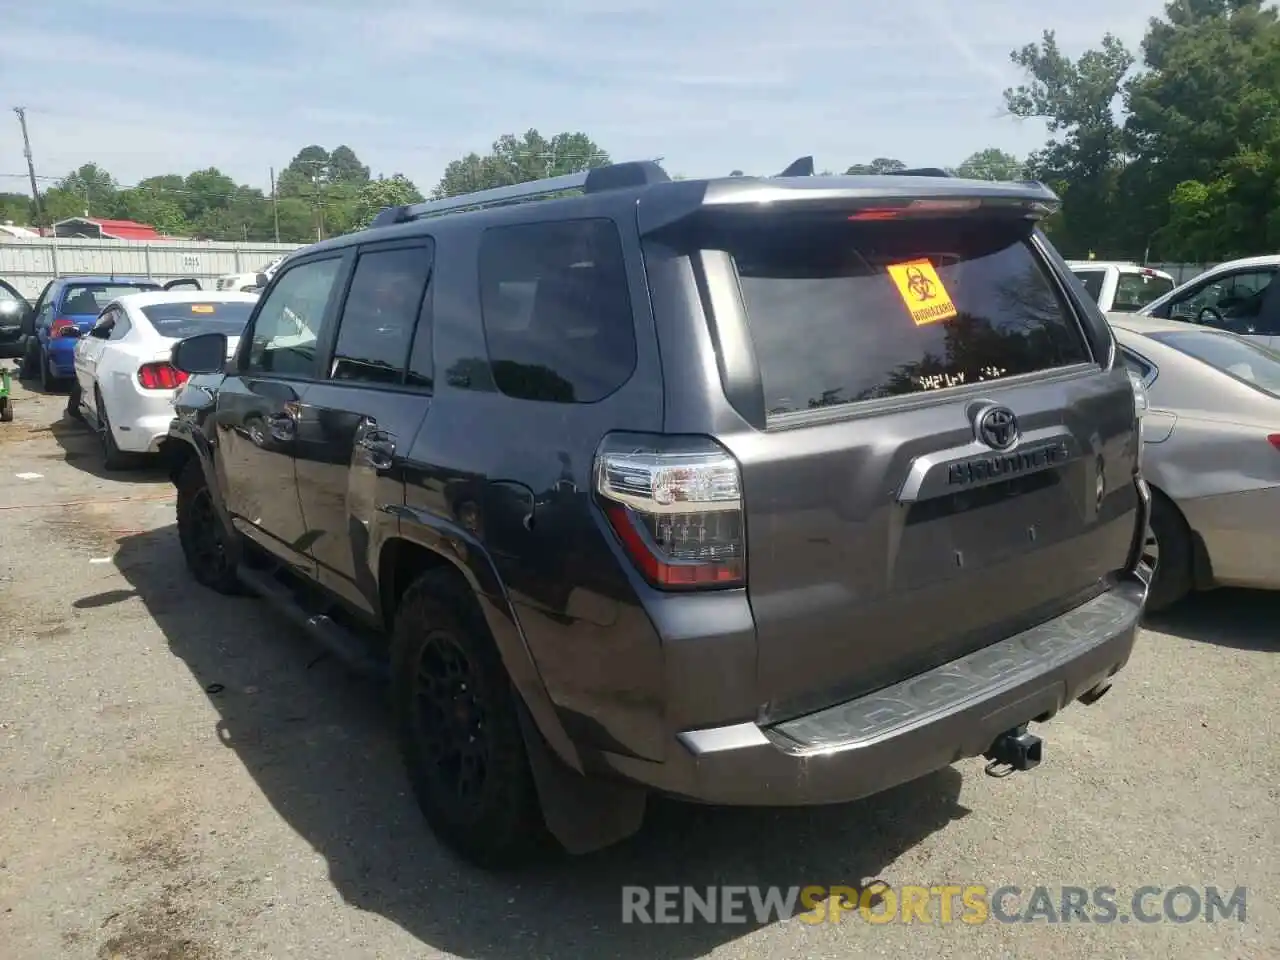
x,y
248,282
1121,287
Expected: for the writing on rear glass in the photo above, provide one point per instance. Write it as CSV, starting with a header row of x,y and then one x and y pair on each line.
x,y
939,381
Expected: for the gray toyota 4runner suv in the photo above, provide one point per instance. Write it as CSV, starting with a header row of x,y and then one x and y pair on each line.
x,y
769,491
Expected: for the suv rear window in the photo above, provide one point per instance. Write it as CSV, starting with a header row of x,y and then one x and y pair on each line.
x,y
1135,290
843,312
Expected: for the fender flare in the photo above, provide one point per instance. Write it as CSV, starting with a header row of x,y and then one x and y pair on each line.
x,y
187,435
457,547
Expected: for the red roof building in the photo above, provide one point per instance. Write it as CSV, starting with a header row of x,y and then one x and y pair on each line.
x,y
96,229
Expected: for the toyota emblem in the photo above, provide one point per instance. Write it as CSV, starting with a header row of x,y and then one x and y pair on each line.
x,y
998,428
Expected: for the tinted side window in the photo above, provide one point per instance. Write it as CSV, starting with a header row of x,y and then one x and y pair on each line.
x,y
1235,294
1092,280
557,311
287,328
380,315
844,312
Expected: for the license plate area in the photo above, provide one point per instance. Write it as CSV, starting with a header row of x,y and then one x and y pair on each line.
x,y
960,533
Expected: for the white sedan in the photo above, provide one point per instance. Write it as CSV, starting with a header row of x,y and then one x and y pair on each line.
x,y
124,384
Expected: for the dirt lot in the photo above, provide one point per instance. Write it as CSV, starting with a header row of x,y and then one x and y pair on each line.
x,y
181,775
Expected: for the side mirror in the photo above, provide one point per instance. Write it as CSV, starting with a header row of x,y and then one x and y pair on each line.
x,y
261,280
204,353
101,333
69,333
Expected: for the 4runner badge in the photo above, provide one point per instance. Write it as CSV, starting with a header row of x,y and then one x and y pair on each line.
x,y
997,427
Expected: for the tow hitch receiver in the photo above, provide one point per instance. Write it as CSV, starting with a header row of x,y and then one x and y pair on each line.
x,y
1013,750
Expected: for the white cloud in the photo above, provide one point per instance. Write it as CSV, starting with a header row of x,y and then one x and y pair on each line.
x,y
412,84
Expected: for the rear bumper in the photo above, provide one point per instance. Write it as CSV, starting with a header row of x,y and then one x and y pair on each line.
x,y
1238,532
140,420
61,352
910,729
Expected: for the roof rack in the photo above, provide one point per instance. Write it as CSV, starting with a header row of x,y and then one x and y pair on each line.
x,y
615,176
921,172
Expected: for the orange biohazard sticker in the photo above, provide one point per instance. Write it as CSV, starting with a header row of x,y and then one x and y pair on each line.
x,y
922,291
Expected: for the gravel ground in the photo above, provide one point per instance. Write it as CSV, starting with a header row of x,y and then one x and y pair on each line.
x,y
182,776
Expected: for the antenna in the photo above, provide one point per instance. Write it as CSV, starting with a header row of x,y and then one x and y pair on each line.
x,y
799,168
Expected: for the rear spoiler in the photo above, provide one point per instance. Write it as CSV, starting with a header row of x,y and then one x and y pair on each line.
x,y
924,191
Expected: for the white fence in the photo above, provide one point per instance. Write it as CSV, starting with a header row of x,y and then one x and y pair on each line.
x,y
30,262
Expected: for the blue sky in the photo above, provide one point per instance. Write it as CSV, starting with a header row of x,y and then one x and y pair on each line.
x,y
152,86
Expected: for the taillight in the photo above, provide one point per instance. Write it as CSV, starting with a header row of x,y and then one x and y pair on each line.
x,y
1274,440
675,504
918,207
60,326
160,376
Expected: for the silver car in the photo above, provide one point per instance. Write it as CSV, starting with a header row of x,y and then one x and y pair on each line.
x,y
1211,455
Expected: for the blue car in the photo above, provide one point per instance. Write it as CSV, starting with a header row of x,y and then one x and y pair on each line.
x,y
66,309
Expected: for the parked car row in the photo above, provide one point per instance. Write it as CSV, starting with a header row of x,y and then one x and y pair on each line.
x,y
878,502
42,335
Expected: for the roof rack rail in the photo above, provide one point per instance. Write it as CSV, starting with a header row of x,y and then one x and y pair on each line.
x,y
802,167
921,172
614,176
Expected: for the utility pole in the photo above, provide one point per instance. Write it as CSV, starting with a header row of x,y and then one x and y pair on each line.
x,y
31,167
275,206
315,179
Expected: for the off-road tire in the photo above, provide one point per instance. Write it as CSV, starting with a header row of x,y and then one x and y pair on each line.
x,y
500,824
1173,576
6,409
203,539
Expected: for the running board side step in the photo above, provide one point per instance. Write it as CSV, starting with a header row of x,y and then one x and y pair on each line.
x,y
336,639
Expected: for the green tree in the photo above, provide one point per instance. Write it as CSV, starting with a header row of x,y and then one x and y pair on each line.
x,y
15,207
376,195
345,167
880,165
1204,124
163,211
89,190
206,190
305,172
991,164
1084,155
521,159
